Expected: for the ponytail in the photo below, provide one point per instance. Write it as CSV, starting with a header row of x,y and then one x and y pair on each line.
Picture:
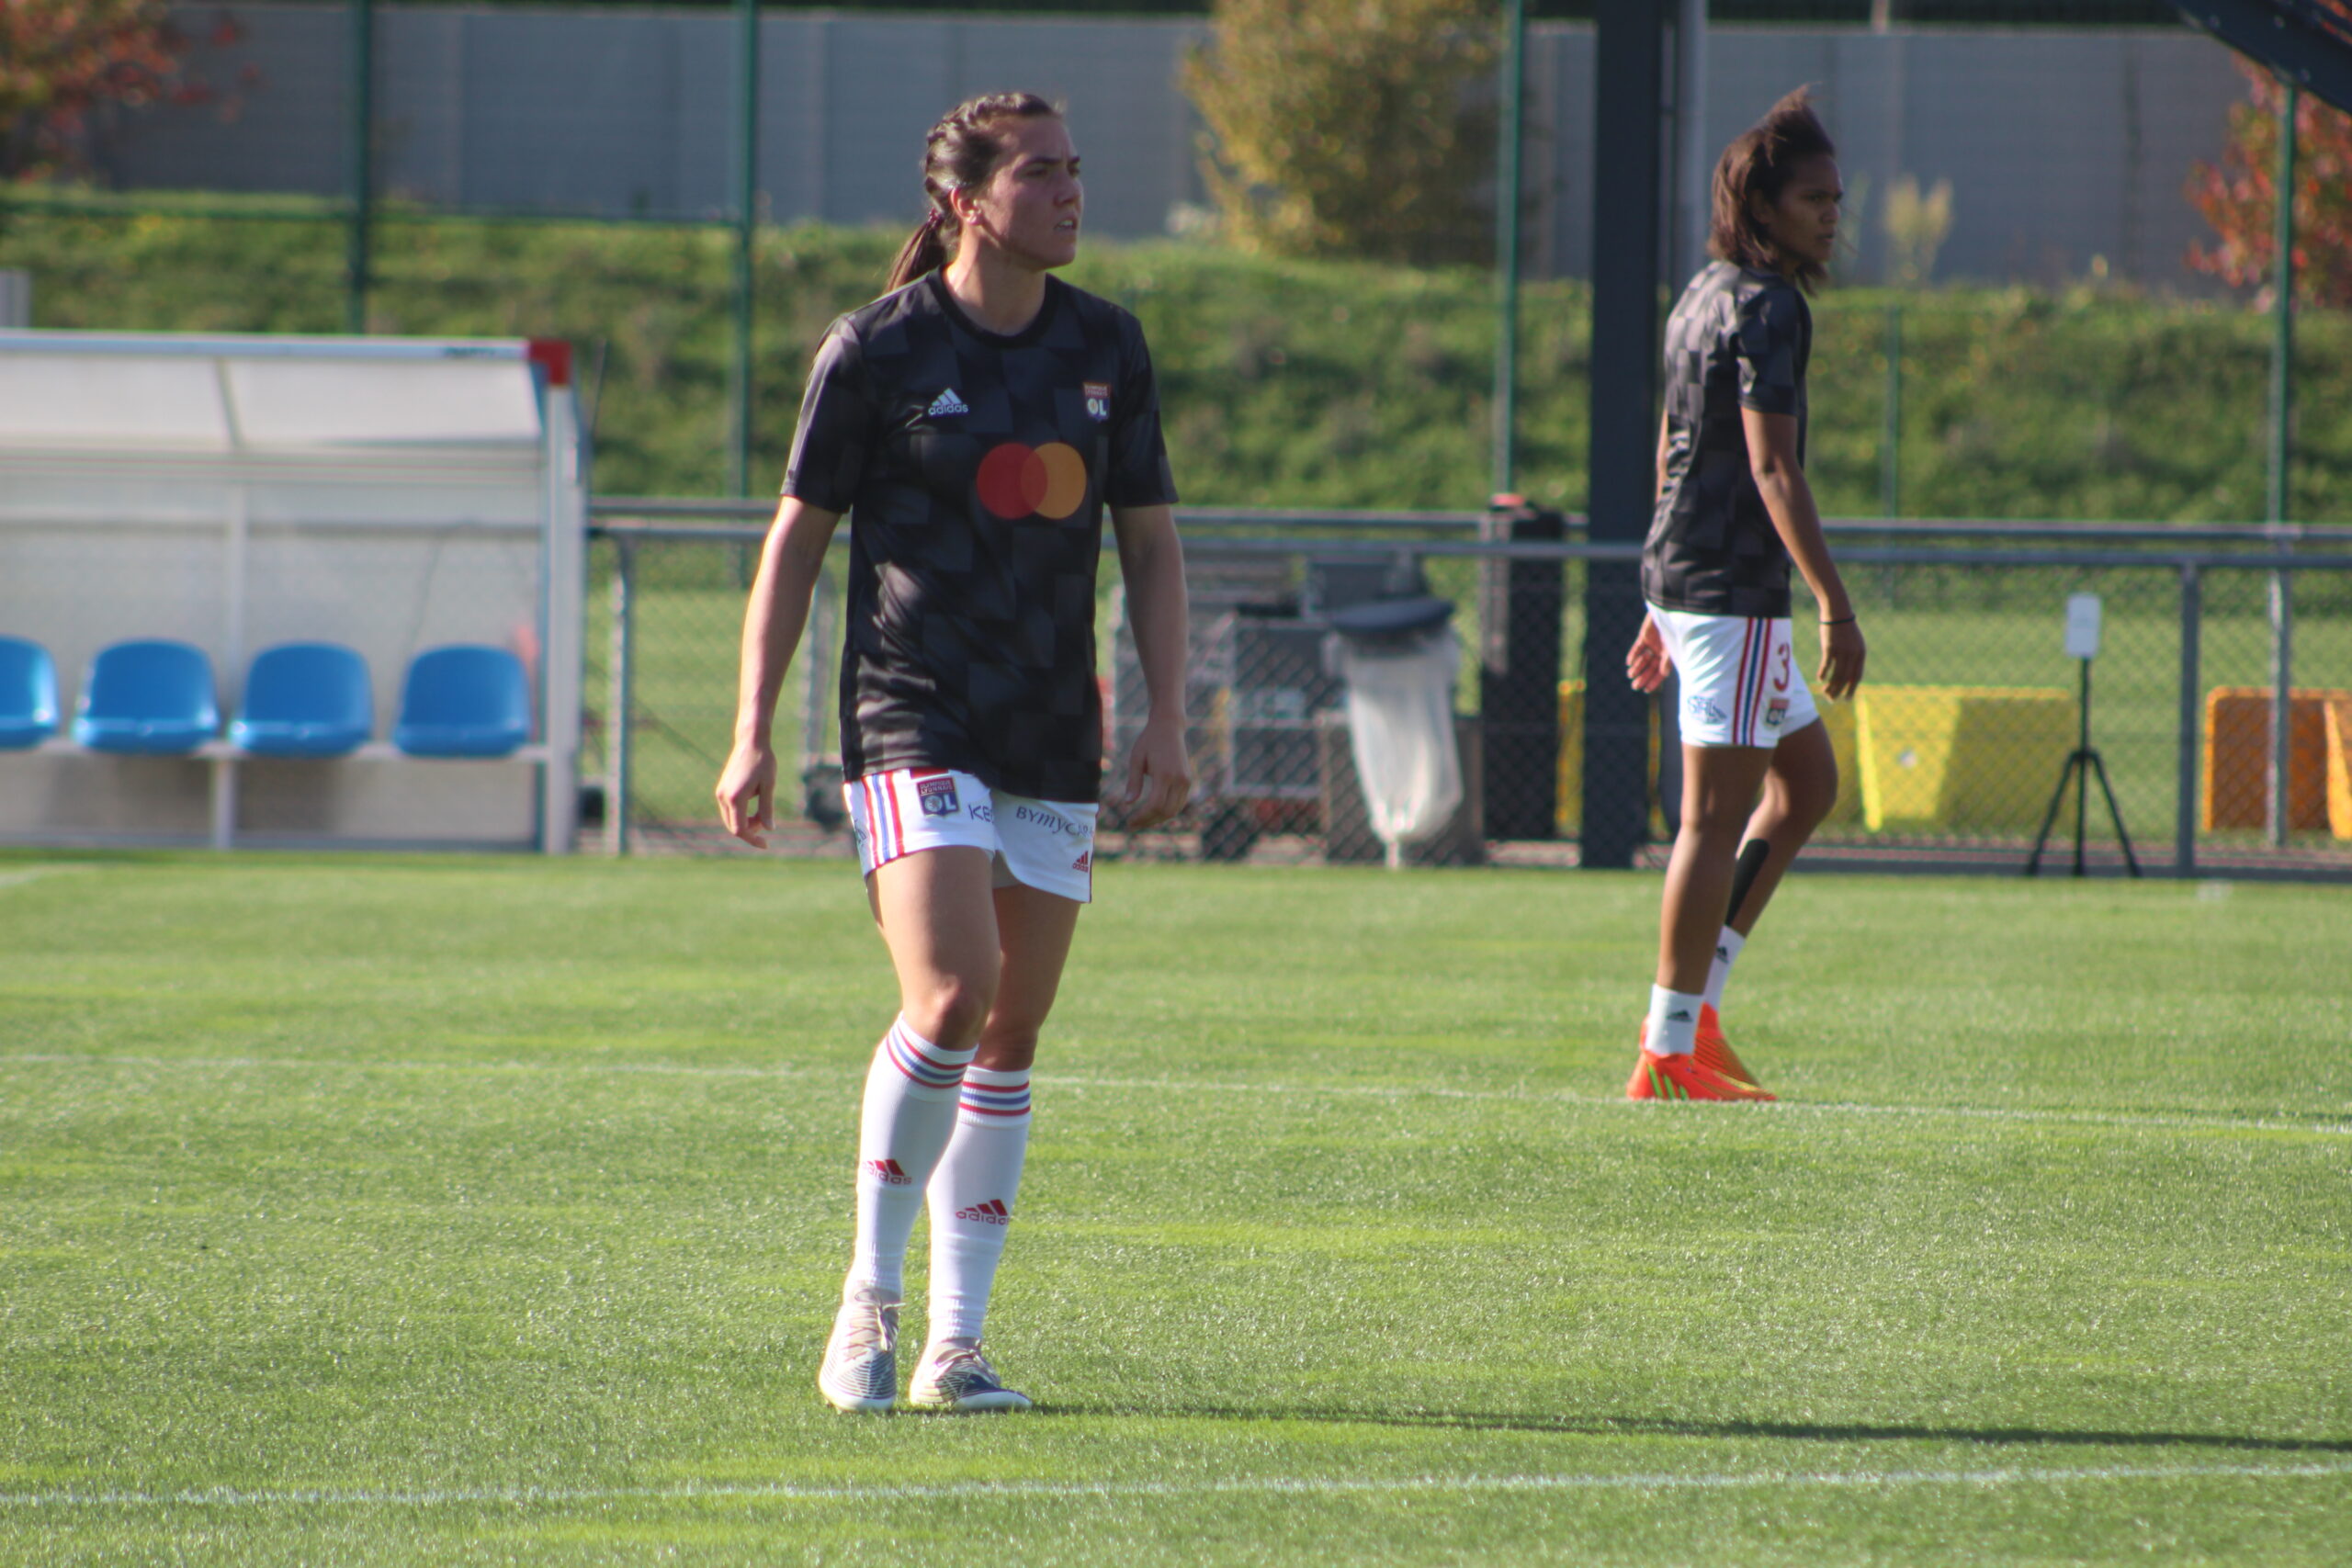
x,y
925,251
960,153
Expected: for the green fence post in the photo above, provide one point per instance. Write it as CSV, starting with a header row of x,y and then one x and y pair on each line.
x,y
747,167
1889,451
620,695
2192,631
1507,245
2279,812
360,164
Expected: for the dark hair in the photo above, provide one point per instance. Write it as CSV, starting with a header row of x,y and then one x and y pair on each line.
x,y
1760,163
960,153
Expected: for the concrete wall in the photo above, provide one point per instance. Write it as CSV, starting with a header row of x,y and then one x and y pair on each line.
x,y
2059,147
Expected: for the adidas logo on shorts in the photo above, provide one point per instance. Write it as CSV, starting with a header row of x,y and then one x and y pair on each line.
x,y
1083,862
947,402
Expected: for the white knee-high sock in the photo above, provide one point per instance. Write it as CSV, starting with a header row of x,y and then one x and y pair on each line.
x,y
1727,945
909,1115
971,1200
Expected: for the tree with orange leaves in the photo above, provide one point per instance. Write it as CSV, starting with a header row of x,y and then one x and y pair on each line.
x,y
2239,195
60,59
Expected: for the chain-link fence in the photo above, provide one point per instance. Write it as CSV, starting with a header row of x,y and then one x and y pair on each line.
x,y
1954,754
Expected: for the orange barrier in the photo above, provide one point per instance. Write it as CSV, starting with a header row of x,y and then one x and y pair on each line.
x,y
2237,757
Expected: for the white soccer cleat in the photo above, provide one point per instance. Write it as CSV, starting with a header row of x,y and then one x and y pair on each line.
x,y
861,1368
958,1377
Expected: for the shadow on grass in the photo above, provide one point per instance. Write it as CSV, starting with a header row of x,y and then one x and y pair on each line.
x,y
1800,1431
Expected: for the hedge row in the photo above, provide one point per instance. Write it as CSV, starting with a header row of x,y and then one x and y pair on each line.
x,y
1284,384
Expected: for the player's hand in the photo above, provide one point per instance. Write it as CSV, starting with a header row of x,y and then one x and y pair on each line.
x,y
1646,662
747,793
1842,654
1160,775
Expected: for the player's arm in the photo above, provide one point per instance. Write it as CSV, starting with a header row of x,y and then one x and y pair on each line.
x,y
1780,476
1646,662
789,562
1151,560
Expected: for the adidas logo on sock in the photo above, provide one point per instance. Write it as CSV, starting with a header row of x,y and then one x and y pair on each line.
x,y
891,1172
992,1212
947,402
1679,1015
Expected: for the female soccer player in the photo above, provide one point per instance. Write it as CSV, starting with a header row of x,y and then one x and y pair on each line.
x,y
1732,511
976,421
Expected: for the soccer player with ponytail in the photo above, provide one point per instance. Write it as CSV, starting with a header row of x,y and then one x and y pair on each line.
x,y
975,423
1734,511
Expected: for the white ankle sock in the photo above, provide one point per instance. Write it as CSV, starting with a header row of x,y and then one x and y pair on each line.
x,y
972,1197
1674,1021
909,1115
1727,946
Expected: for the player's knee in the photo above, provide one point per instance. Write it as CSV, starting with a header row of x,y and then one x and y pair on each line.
x,y
1713,813
951,1008
1006,1050
1810,798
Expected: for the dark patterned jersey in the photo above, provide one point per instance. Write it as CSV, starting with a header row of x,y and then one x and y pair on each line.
x,y
1737,340
974,467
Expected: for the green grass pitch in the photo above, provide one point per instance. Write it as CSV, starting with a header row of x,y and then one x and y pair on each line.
x,y
384,1211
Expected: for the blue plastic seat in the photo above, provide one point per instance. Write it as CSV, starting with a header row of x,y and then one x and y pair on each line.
x,y
464,701
305,699
147,699
27,694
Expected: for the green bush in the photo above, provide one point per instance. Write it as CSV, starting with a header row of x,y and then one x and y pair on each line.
x,y
1350,130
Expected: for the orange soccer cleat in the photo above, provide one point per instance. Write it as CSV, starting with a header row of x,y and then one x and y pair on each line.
x,y
1684,1078
1714,1051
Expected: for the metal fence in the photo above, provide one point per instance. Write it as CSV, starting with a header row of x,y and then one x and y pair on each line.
x,y
2220,704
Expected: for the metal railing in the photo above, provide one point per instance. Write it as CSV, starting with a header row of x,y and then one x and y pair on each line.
x,y
1976,588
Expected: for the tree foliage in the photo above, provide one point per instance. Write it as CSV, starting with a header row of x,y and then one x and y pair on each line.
x,y
2239,197
62,60
1350,128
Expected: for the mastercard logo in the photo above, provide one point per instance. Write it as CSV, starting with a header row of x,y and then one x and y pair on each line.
x,y
1016,480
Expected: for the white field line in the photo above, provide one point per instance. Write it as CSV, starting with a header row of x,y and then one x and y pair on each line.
x,y
34,874
2147,1122
1273,1485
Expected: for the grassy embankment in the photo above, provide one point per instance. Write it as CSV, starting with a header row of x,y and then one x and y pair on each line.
x,y
1285,384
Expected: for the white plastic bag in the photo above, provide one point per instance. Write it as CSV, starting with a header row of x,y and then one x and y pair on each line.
x,y
1400,717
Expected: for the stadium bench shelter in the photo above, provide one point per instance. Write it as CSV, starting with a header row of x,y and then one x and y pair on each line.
x,y
352,534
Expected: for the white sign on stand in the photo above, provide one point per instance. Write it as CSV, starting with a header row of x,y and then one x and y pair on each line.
x,y
2082,626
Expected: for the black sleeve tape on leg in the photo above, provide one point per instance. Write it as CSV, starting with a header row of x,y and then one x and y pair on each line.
x,y
1752,856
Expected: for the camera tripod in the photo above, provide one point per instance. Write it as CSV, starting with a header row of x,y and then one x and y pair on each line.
x,y
2081,763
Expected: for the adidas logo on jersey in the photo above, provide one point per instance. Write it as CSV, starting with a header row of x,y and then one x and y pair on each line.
x,y
890,1172
992,1212
947,402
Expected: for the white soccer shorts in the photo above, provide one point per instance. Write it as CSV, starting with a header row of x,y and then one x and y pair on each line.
x,y
1740,681
1044,844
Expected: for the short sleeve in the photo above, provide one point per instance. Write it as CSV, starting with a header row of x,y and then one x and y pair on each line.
x,y
1139,474
836,430
1769,345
